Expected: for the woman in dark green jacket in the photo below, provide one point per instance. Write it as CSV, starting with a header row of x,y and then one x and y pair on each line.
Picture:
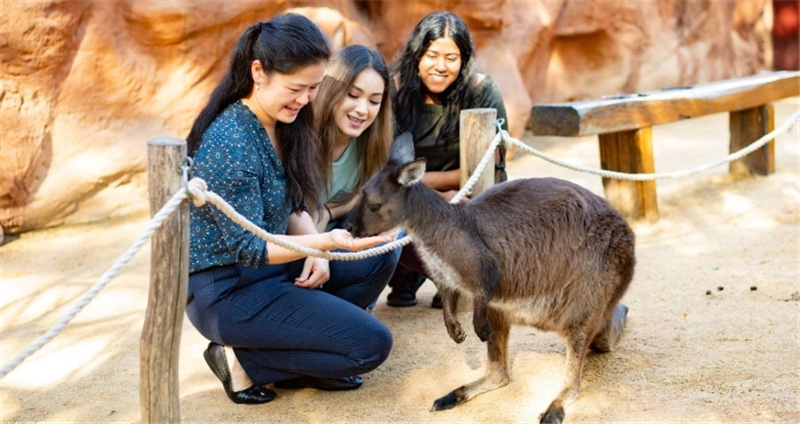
x,y
436,77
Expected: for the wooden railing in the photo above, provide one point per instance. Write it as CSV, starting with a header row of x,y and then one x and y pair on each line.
x,y
624,124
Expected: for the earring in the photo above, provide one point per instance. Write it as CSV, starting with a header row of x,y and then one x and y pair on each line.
x,y
258,86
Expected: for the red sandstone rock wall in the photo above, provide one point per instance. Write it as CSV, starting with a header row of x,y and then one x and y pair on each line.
x,y
85,84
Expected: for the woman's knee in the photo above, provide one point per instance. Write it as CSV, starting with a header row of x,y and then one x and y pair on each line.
x,y
376,346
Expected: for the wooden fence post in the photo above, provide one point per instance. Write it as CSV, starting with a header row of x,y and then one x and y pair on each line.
x,y
169,274
476,131
630,152
747,126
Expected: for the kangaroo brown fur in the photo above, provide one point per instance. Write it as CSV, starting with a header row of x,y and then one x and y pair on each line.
x,y
542,252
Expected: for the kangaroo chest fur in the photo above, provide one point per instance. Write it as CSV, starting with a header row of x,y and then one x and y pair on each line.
x,y
439,271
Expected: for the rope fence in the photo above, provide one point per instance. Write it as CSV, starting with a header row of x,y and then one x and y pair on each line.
x,y
785,127
197,190
112,272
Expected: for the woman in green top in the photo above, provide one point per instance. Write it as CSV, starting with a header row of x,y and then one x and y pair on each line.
x,y
353,118
436,78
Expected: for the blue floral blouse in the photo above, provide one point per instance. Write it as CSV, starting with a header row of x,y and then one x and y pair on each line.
x,y
239,164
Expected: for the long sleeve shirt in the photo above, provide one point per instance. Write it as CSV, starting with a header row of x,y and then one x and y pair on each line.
x,y
238,162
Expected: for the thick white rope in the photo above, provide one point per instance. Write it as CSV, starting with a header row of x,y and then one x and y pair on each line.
x,y
200,195
785,127
152,226
487,157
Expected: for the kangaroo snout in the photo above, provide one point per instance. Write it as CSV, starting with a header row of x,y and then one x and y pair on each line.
x,y
351,228
355,223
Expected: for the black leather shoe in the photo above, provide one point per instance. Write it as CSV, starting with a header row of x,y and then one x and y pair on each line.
x,y
400,299
215,358
404,293
329,384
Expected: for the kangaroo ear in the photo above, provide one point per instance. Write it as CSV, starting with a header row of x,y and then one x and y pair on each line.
x,y
402,150
412,172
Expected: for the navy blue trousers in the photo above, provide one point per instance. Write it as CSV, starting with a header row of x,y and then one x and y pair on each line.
x,y
279,331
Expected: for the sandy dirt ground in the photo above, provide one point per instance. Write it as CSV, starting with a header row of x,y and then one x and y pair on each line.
x,y
687,356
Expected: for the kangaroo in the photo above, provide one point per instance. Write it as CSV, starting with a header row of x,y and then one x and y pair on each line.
x,y
542,252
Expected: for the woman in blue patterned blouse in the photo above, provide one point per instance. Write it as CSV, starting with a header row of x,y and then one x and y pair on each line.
x,y
264,308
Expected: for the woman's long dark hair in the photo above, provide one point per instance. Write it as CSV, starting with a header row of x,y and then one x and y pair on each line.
x,y
376,139
409,95
284,45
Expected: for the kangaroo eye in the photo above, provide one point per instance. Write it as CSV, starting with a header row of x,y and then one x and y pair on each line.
x,y
373,207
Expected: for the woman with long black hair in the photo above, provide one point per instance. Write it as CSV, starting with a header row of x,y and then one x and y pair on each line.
x,y
437,78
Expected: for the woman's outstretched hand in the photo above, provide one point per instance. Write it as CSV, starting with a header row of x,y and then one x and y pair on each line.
x,y
342,239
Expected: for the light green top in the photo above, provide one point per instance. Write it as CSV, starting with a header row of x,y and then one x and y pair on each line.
x,y
344,176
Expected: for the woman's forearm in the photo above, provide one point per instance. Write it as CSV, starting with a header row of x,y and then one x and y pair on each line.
x,y
448,180
281,255
443,180
334,211
340,210
302,231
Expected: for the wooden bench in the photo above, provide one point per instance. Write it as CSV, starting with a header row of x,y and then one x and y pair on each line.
x,y
624,127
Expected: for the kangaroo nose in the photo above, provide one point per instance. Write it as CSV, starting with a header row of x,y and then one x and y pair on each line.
x,y
350,227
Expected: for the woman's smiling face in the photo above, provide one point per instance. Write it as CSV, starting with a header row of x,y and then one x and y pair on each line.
x,y
281,96
440,65
357,109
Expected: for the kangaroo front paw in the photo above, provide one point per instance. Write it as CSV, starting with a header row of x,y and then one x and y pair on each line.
x,y
448,401
456,332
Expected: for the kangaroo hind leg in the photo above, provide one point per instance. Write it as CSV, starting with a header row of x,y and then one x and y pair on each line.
x,y
496,370
577,348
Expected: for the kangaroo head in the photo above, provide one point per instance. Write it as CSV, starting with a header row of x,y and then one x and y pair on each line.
x,y
381,206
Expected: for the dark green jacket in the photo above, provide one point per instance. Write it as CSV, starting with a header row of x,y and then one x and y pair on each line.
x,y
442,156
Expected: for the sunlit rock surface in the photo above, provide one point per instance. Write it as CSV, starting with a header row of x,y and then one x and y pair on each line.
x,y
85,84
